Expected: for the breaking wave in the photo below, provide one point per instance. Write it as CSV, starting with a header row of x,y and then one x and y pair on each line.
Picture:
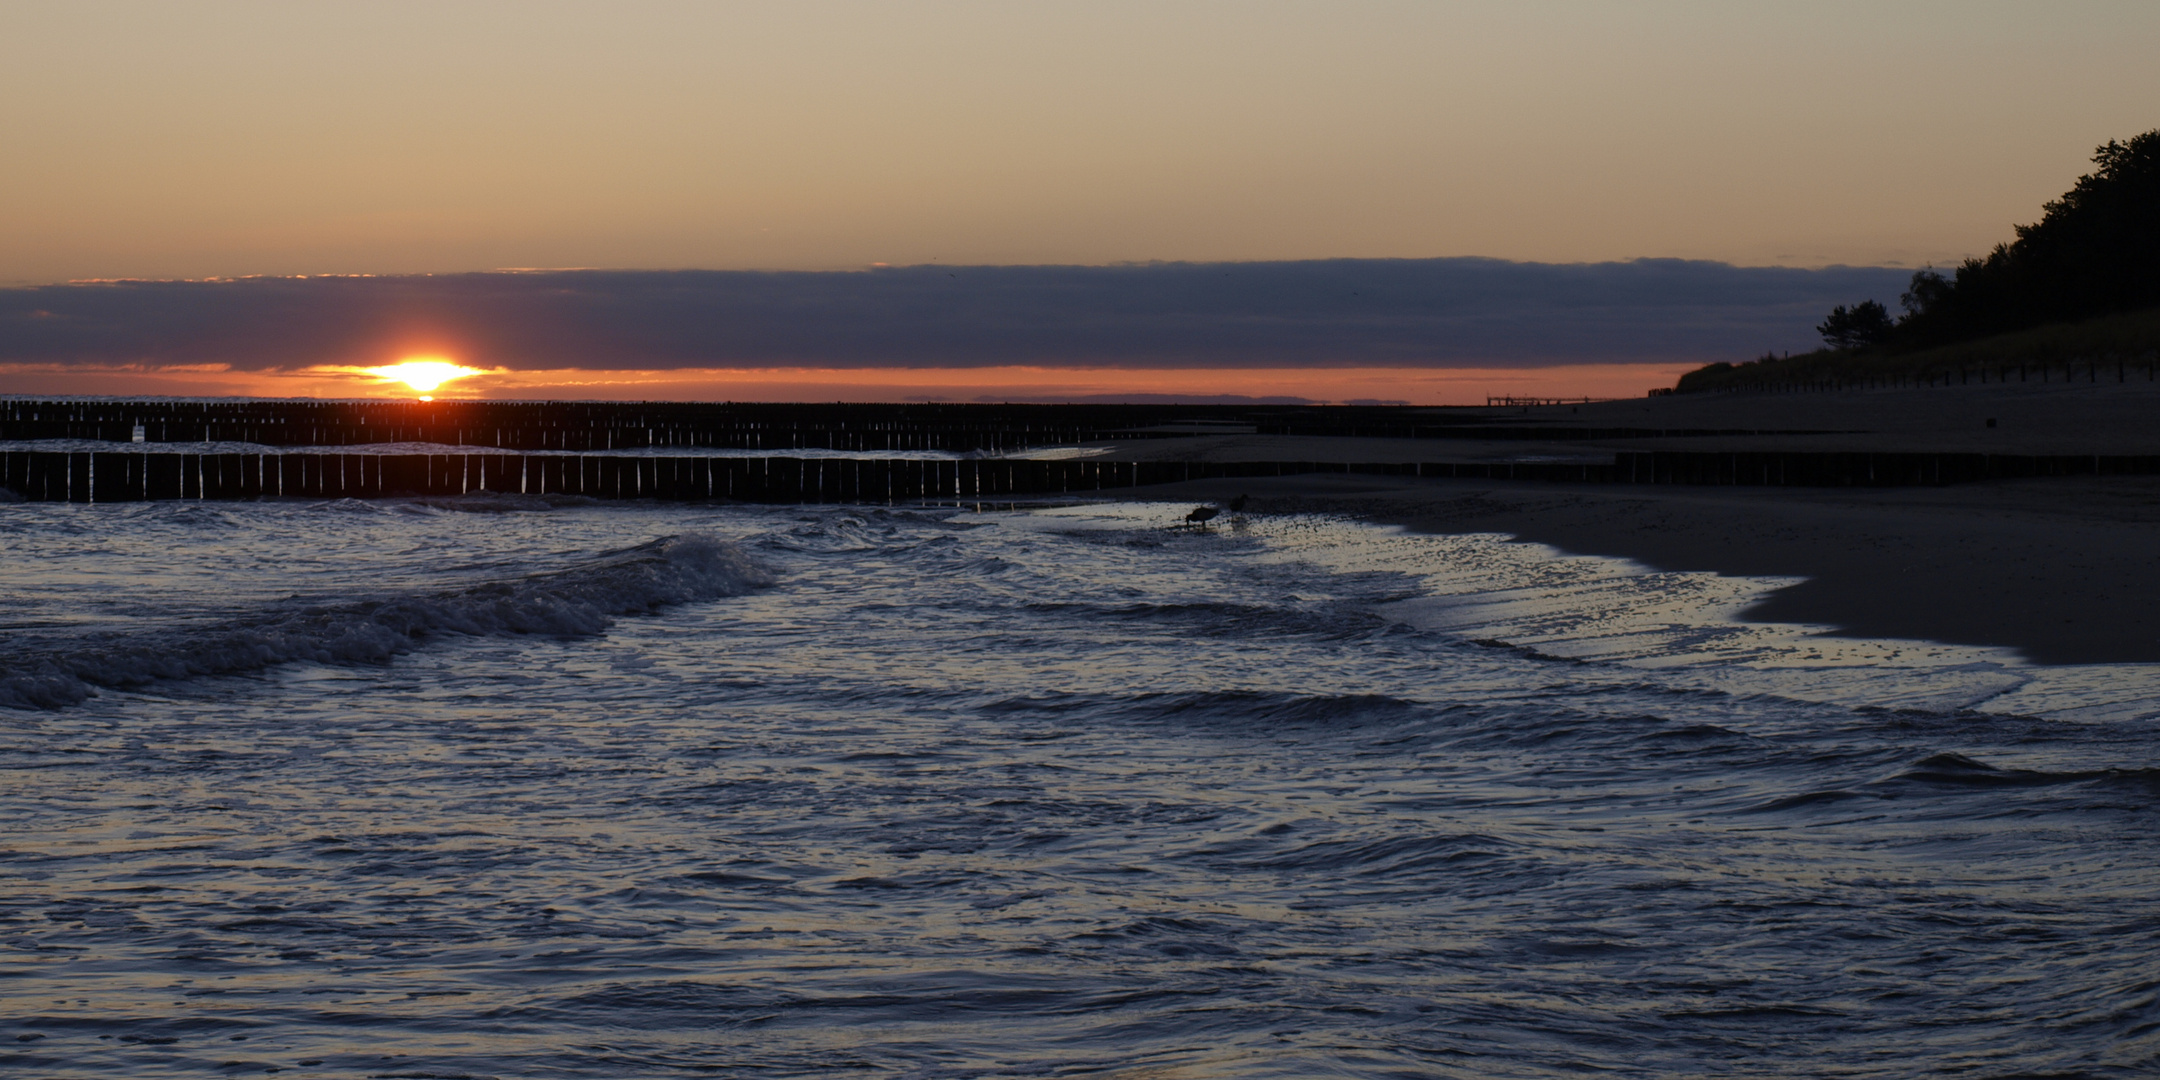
x,y
582,600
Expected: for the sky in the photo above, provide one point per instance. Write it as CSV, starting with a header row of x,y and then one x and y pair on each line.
x,y
151,140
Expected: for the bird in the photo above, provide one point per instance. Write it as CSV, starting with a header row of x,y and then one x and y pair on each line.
x,y
1237,505
1200,515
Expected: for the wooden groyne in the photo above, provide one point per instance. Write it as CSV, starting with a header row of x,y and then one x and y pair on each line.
x,y
135,477
604,427
580,427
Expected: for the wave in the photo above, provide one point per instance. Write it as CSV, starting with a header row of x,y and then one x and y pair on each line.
x,y
579,601
1240,709
1386,855
1951,770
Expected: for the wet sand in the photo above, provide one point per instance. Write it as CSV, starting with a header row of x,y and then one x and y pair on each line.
x,y
2065,570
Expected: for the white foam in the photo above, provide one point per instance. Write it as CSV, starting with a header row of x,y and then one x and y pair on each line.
x,y
1689,629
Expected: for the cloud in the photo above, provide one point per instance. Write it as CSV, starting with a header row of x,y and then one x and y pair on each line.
x,y
1331,313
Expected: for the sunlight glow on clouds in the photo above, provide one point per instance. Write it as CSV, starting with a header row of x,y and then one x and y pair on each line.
x,y
423,373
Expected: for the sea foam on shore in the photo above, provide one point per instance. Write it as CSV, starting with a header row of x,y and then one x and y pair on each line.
x,y
967,793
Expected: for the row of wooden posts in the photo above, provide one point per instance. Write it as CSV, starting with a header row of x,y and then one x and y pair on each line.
x,y
126,477
2091,369
602,427
618,427
603,440
595,439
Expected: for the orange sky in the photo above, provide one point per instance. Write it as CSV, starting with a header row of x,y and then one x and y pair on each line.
x,y
224,137
218,138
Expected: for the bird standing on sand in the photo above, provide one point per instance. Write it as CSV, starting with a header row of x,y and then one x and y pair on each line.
x,y
1237,505
1200,515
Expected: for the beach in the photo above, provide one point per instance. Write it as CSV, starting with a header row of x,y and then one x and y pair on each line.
x,y
2065,570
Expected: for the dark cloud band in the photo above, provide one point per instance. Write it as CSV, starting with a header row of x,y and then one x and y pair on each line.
x,y
1342,313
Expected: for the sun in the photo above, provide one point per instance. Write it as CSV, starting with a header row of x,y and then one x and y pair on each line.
x,y
423,373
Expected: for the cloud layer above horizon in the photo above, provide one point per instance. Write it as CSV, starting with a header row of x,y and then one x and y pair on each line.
x,y
1422,313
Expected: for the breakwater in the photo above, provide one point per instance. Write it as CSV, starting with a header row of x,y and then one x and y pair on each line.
x,y
133,477
602,427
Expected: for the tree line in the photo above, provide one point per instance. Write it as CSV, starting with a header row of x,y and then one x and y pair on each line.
x,y
2095,251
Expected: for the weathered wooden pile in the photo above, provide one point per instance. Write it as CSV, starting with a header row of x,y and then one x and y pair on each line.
x,y
129,477
599,427
561,449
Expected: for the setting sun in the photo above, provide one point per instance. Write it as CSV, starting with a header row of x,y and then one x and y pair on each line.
x,y
423,374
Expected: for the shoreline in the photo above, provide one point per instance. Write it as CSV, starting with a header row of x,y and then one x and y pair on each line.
x,y
2064,571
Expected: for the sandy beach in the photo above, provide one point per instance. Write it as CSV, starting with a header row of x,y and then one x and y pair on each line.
x,y
2064,570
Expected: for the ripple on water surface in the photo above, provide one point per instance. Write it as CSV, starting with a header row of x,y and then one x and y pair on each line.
x,y
1029,793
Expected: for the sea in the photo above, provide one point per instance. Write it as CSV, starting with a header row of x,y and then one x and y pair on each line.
x,y
497,786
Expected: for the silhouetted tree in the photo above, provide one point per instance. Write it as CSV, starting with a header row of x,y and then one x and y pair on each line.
x,y
2095,251
1865,323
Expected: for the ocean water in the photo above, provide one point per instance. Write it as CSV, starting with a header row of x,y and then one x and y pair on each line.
x,y
494,787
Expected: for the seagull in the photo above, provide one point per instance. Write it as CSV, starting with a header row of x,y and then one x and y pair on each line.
x,y
1200,515
1237,505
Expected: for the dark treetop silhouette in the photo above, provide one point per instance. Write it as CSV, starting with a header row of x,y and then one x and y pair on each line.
x,y
1865,323
2093,256
2095,251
